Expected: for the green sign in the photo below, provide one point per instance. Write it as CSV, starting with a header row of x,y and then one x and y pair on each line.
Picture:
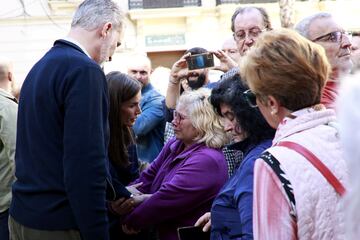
x,y
164,40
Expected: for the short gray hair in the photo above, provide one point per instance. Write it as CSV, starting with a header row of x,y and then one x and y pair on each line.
x,y
91,14
302,27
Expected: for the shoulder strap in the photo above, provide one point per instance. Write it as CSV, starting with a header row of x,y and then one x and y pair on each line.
x,y
275,165
316,162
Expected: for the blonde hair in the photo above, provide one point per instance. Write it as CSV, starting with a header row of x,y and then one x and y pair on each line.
x,y
204,118
287,66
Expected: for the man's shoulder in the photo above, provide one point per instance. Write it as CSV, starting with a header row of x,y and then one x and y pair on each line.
x,y
152,95
7,101
68,54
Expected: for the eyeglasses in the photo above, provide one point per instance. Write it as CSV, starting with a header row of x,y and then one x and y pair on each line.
x,y
336,37
178,117
250,98
251,33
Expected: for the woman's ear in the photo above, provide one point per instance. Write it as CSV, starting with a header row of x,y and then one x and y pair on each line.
x,y
273,104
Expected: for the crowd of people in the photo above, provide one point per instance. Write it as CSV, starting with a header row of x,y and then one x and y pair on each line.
x,y
257,154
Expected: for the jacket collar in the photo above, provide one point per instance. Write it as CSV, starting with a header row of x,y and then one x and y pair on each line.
x,y
177,148
7,95
147,88
70,44
305,119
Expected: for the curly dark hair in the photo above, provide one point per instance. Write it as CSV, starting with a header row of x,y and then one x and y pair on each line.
x,y
230,92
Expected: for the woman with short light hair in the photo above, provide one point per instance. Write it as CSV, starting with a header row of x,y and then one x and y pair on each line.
x,y
181,183
299,181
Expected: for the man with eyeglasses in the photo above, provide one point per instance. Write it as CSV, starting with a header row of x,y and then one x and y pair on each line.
x,y
247,23
323,29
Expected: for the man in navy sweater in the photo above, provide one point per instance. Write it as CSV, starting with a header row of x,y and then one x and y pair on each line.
x,y
62,139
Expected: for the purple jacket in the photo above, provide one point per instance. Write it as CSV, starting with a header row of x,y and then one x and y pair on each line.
x,y
183,184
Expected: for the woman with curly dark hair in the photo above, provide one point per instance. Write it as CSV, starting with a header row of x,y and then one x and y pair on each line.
x,y
231,213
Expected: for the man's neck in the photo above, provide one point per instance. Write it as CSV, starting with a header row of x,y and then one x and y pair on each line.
x,y
84,38
336,74
6,87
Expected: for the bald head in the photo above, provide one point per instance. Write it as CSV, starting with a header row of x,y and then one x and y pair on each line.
x,y
230,48
5,69
7,81
139,67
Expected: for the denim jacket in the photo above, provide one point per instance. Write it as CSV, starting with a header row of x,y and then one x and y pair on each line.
x,y
149,126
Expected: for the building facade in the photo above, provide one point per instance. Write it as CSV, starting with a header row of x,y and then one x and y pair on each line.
x,y
163,29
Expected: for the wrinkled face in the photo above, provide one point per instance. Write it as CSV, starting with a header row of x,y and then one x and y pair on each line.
x,y
183,128
231,124
248,26
337,52
140,71
130,109
110,43
229,47
355,51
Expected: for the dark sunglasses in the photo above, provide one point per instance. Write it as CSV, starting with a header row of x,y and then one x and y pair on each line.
x,y
250,98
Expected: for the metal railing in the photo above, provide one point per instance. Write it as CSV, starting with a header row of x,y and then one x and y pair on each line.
x,y
146,4
219,2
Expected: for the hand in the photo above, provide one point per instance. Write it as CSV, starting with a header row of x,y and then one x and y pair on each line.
x,y
226,62
129,231
138,199
179,70
133,188
204,221
122,206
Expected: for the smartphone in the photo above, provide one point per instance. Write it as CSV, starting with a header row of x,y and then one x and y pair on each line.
x,y
198,61
192,233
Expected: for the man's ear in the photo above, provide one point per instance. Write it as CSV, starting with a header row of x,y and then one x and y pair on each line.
x,y
10,76
106,29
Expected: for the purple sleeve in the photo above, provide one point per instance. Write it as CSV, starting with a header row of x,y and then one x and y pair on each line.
x,y
148,175
195,183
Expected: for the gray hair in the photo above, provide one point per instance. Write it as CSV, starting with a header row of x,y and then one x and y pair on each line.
x,y
302,27
91,14
242,10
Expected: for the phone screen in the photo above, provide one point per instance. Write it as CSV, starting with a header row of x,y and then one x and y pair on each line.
x,y
192,233
198,61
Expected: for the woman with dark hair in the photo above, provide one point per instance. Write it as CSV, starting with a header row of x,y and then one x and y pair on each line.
x,y
124,98
231,212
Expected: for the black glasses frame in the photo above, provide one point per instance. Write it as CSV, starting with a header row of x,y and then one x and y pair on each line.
x,y
328,35
250,98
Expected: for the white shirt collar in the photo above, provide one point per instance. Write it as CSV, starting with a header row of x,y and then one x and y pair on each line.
x,y
77,44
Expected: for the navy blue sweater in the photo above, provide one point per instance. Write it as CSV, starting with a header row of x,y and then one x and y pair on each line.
x,y
61,153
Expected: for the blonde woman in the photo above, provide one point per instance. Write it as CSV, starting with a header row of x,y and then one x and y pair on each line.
x,y
182,182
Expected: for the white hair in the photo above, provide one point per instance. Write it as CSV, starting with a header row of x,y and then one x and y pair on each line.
x,y
91,14
302,27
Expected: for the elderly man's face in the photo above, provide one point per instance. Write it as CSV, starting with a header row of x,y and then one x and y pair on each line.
x,y
247,27
355,51
337,49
